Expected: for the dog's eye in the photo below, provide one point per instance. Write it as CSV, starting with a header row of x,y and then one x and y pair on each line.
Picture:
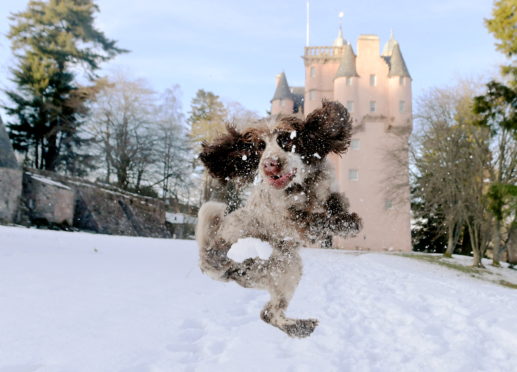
x,y
286,141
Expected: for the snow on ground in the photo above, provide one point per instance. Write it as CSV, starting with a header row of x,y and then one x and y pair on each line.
x,y
82,302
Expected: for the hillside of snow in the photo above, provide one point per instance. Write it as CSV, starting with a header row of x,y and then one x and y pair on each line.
x,y
82,302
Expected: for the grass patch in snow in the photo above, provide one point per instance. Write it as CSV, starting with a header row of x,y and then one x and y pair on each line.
x,y
508,284
488,274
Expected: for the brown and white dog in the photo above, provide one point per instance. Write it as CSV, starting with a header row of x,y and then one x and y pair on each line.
x,y
292,204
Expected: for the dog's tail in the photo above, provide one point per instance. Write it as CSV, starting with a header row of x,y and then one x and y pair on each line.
x,y
212,251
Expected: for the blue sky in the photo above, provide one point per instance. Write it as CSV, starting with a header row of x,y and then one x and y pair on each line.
x,y
235,48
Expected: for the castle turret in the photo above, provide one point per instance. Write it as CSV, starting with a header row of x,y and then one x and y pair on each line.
x,y
388,47
321,65
397,64
283,100
345,81
399,88
340,40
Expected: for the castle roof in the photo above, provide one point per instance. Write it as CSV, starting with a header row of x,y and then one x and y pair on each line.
x,y
298,94
388,47
282,89
347,65
396,62
7,158
340,40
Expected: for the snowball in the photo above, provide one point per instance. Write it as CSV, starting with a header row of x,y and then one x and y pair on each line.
x,y
249,248
244,157
316,155
293,134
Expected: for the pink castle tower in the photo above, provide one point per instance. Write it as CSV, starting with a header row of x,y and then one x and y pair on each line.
x,y
376,89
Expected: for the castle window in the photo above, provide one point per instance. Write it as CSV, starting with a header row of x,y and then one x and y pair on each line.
x,y
354,144
402,107
313,71
373,106
401,80
353,175
349,81
388,204
350,106
373,80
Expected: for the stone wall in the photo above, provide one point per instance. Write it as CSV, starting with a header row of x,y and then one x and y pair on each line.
x,y
10,179
10,193
7,158
90,206
114,212
48,201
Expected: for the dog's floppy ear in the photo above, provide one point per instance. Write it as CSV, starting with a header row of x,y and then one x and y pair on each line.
x,y
327,129
233,155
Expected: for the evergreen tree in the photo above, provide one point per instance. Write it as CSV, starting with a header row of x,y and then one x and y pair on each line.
x,y
497,110
207,120
429,230
50,41
207,116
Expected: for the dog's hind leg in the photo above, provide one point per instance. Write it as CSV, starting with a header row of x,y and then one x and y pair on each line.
x,y
285,276
279,275
212,250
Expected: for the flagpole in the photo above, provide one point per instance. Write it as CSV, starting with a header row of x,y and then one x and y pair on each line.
x,y
308,29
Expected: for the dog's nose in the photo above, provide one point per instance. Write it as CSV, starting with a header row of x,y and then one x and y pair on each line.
x,y
272,167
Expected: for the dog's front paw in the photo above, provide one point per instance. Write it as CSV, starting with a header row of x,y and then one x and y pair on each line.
x,y
301,327
346,225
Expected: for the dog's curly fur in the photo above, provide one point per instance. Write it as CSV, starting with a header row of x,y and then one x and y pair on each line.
x,y
293,204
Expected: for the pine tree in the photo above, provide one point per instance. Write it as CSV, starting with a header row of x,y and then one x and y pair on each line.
x,y
207,117
50,41
497,110
207,120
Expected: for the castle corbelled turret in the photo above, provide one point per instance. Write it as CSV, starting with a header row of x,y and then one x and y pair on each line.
x,y
286,100
397,64
345,91
282,102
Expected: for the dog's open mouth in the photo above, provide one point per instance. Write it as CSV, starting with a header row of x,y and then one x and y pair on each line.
x,y
280,181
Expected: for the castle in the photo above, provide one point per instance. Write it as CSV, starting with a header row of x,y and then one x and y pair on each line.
x,y
376,89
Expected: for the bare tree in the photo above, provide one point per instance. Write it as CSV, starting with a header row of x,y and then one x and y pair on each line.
x,y
121,121
452,163
239,116
174,155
